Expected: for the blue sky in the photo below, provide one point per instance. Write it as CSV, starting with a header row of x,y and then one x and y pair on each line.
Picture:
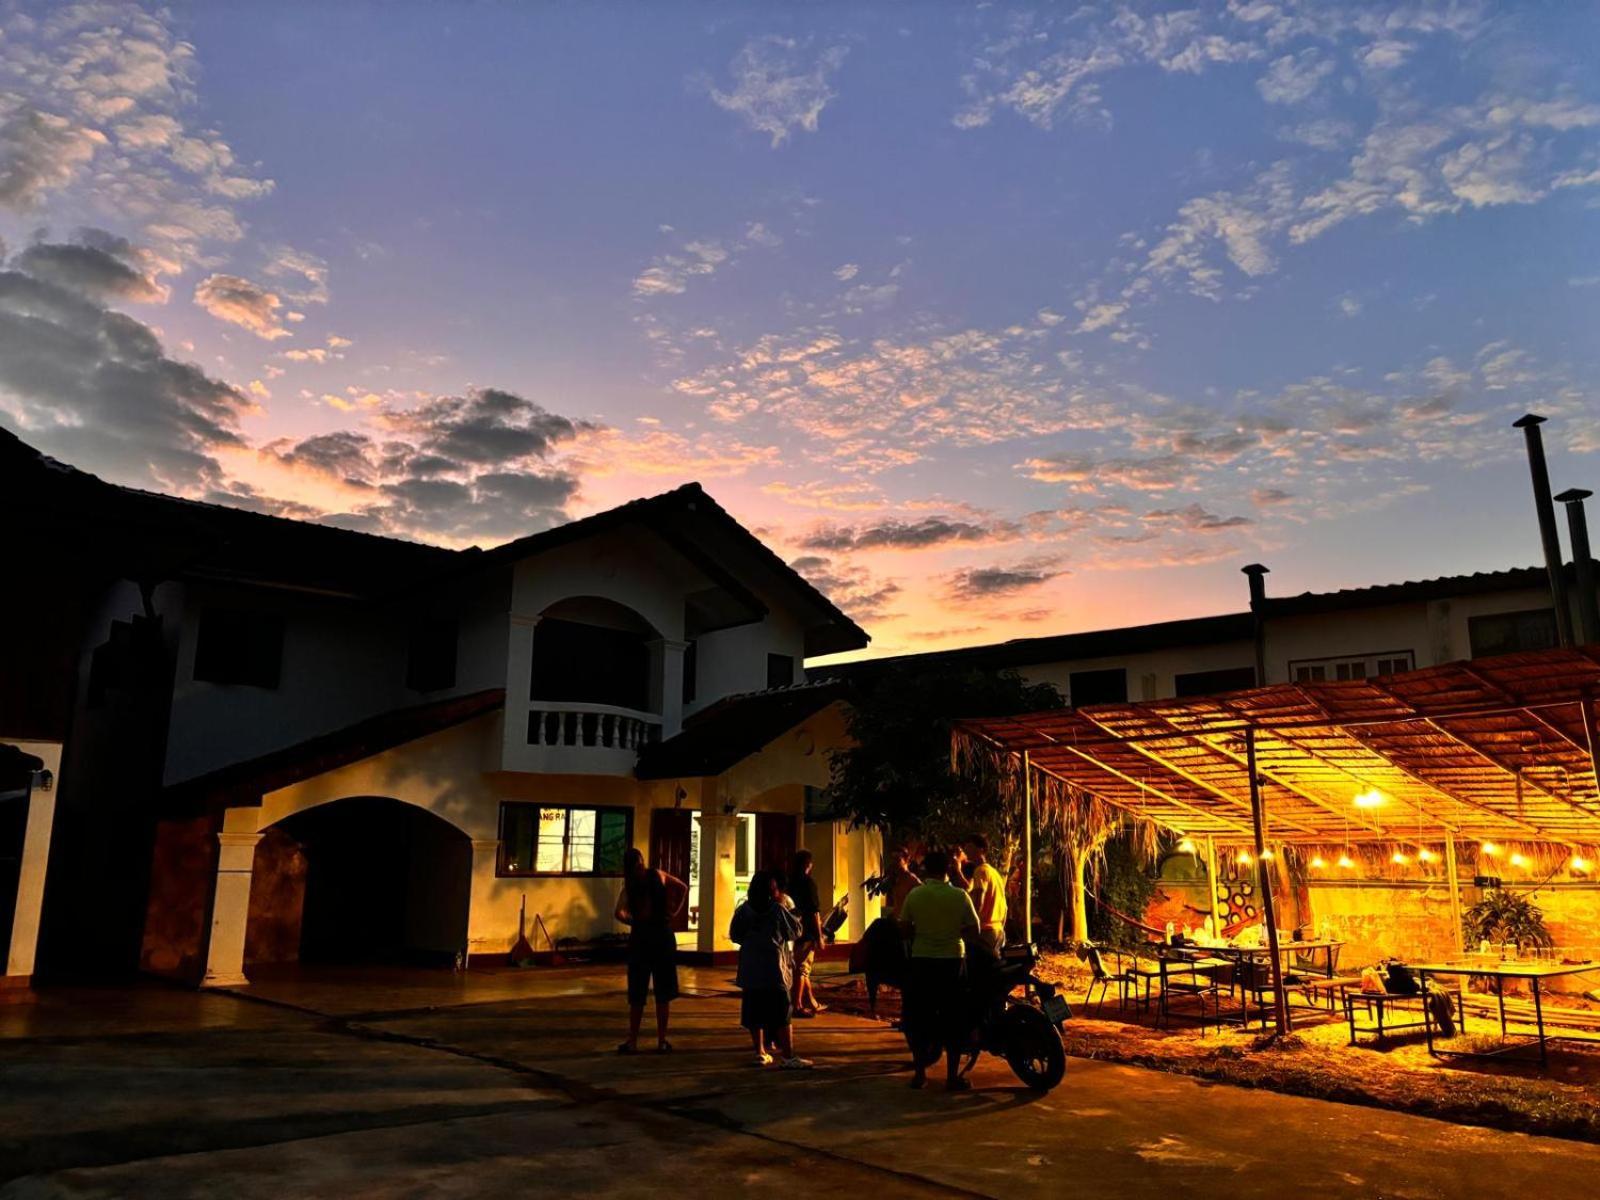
x,y
996,320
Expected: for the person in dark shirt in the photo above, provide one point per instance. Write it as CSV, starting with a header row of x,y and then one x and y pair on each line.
x,y
764,930
648,902
808,908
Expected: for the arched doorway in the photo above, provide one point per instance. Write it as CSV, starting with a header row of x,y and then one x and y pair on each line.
x,y
360,880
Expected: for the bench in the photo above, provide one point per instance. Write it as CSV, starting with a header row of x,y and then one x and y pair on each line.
x,y
1377,1007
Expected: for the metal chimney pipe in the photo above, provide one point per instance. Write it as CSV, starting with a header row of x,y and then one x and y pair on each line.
x,y
1547,523
1258,610
1582,564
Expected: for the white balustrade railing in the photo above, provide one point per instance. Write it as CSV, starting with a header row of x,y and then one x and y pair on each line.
x,y
598,726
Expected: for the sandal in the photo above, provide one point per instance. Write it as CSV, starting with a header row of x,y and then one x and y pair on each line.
x,y
627,1048
663,1046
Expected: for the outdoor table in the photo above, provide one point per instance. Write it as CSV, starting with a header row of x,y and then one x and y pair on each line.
x,y
1533,970
1328,946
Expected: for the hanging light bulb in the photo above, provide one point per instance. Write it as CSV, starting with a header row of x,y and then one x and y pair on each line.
x,y
1266,856
1579,865
1399,858
1346,861
1518,860
1424,855
1371,798
1186,846
1317,862
1490,849
1243,858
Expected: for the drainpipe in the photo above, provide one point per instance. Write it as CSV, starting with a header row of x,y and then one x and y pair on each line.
x,y
1258,610
1547,523
1582,563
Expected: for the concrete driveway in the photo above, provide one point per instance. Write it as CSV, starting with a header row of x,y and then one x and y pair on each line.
x,y
370,1084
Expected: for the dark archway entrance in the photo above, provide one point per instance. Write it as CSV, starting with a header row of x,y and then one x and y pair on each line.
x,y
373,879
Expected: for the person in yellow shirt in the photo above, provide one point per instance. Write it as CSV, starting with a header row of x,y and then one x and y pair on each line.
x,y
939,921
987,887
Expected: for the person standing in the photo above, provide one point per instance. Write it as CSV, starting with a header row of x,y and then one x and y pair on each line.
x,y
901,880
939,920
765,931
808,908
647,904
987,887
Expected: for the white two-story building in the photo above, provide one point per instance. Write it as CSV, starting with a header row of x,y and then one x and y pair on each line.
x,y
293,742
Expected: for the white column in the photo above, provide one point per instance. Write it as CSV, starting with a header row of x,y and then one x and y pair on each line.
x,y
519,688
35,857
482,926
230,903
717,836
666,666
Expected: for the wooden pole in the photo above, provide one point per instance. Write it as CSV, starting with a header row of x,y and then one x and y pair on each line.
x,y
1027,850
1455,892
1280,1005
1211,876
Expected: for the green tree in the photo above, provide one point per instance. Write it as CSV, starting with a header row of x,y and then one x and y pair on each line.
x,y
897,777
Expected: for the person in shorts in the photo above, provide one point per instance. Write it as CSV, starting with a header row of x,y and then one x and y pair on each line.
x,y
647,904
808,908
765,932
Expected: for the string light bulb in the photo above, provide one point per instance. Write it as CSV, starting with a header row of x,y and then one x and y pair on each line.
x,y
1518,860
1399,858
1317,862
1425,855
1371,798
1186,846
1266,856
1346,861
1490,849
1579,865
1243,858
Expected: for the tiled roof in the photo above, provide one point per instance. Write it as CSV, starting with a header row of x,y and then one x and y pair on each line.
x,y
733,729
244,783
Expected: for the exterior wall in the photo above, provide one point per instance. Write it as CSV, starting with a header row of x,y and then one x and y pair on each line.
x,y
340,665
732,661
444,774
1435,632
1150,676
1412,921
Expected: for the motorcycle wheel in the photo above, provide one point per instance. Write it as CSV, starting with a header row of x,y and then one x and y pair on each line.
x,y
1033,1048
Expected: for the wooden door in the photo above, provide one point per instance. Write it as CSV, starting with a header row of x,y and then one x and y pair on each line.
x,y
777,837
669,851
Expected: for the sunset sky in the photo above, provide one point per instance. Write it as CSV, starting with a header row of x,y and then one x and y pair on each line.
x,y
994,321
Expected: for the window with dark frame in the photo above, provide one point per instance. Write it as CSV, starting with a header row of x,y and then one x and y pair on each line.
x,y
431,655
1097,687
780,670
545,839
237,646
1346,667
1209,683
1509,633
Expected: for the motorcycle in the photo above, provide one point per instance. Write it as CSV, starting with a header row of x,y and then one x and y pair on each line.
x,y
1025,1029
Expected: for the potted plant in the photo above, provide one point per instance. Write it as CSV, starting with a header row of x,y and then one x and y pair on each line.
x,y
1501,917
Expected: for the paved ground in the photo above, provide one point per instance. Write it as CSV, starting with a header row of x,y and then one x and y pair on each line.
x,y
503,1083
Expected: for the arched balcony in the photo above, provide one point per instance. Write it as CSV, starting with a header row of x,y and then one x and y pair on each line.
x,y
595,697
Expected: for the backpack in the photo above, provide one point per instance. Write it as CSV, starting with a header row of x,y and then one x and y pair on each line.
x,y
1399,981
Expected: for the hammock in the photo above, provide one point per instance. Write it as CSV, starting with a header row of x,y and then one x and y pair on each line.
x,y
1227,930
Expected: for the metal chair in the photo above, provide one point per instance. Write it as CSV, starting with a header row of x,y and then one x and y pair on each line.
x,y
1103,979
1181,979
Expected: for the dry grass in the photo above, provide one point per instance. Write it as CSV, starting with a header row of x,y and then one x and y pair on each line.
x,y
1316,1060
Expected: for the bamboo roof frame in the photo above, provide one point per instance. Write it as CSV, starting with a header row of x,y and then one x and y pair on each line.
x,y
1503,749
